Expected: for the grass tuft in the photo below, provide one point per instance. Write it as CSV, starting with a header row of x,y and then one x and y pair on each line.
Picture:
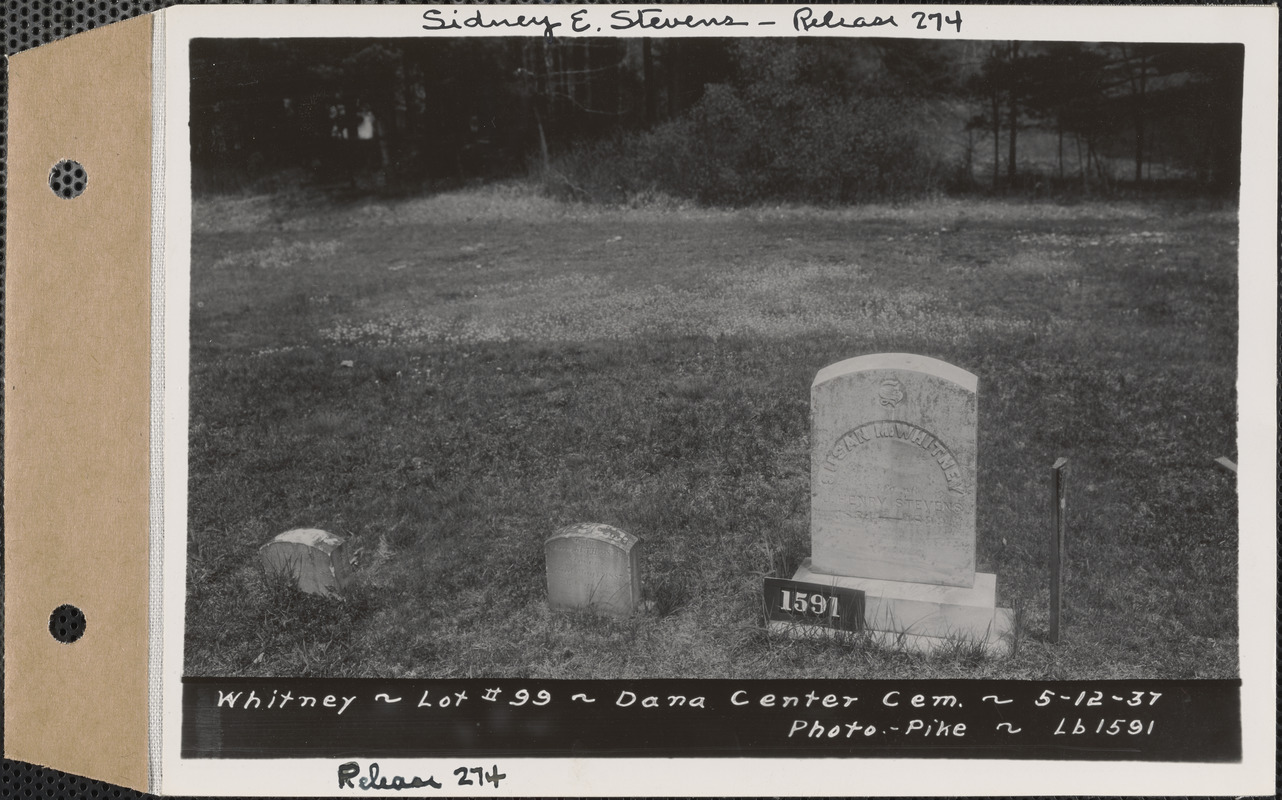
x,y
672,593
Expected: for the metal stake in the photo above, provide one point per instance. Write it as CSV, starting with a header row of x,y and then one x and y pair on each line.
x,y
1059,496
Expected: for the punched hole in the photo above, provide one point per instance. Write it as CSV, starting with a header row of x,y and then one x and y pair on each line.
x,y
67,623
68,179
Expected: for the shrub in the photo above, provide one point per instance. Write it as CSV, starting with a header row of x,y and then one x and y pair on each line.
x,y
759,144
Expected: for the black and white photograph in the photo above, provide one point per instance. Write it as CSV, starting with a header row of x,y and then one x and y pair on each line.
x,y
453,297
608,360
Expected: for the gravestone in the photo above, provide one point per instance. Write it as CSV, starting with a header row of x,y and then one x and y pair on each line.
x,y
594,566
892,513
893,470
315,560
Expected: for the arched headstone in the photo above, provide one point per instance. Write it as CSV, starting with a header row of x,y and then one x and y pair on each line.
x,y
893,469
593,566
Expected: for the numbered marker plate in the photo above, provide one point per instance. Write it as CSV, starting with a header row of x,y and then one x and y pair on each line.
x,y
814,604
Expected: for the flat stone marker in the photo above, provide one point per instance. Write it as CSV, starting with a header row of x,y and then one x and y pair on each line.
x,y
892,511
316,560
594,566
893,470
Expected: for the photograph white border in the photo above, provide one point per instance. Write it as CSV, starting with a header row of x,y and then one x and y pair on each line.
x,y
1255,27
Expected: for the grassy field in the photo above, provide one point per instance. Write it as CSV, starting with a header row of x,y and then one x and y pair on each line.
x,y
447,380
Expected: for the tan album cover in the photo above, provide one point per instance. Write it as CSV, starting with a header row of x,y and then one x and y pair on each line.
x,y
613,400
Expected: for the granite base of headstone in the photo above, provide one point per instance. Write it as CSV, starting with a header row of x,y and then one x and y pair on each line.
x,y
315,560
893,471
595,567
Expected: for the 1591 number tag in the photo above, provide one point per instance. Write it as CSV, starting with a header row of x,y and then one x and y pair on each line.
x,y
814,604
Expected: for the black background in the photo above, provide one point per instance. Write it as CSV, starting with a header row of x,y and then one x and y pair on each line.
x,y
1192,721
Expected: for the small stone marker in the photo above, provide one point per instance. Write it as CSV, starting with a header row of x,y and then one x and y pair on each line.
x,y
892,513
316,560
594,566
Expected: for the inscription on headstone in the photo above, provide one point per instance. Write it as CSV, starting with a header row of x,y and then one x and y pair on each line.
x,y
316,560
593,566
893,470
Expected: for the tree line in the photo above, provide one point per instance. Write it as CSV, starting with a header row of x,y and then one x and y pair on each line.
x,y
715,119
1183,100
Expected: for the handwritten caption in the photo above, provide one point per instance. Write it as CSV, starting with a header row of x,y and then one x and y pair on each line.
x,y
924,715
593,21
350,777
481,718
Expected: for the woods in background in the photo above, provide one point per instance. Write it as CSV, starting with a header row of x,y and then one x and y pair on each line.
x,y
723,121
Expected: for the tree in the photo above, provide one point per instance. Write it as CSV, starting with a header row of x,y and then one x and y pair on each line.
x,y
988,86
1063,91
1014,89
1196,99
